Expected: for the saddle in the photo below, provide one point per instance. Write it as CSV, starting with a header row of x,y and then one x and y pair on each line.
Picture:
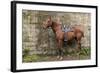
x,y
66,30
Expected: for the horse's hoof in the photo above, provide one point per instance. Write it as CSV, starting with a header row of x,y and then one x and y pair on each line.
x,y
58,57
61,58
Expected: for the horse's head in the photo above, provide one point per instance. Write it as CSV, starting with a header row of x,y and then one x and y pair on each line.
x,y
47,23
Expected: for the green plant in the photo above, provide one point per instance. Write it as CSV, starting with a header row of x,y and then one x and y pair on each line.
x,y
26,52
34,58
31,58
85,51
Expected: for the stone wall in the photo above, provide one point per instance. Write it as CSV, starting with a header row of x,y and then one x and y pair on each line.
x,y
37,40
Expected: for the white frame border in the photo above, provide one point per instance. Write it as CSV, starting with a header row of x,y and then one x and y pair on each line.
x,y
38,65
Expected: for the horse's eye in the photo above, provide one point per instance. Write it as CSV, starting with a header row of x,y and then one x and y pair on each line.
x,y
49,21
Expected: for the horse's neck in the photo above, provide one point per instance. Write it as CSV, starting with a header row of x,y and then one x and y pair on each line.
x,y
56,27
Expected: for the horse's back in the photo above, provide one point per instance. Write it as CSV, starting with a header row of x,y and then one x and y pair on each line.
x,y
79,28
79,33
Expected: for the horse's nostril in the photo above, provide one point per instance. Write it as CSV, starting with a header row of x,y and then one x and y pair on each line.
x,y
44,27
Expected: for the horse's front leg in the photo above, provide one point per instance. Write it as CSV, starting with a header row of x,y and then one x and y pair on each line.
x,y
60,50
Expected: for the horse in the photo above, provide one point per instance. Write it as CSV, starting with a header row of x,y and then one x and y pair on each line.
x,y
75,34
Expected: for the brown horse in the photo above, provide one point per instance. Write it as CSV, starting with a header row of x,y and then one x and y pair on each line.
x,y
76,34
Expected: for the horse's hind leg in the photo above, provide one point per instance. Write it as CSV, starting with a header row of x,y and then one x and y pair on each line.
x,y
78,47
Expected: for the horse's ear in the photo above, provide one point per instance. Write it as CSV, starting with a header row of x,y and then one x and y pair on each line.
x,y
58,19
49,17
